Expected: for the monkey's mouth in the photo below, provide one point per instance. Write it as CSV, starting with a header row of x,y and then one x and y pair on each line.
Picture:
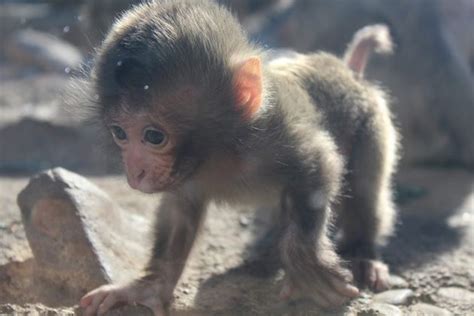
x,y
151,185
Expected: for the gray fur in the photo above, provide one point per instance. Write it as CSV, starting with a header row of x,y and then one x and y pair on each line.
x,y
323,140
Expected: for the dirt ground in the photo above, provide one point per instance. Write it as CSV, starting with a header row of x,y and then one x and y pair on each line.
x,y
432,254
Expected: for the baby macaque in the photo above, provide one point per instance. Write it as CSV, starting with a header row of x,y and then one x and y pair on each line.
x,y
202,115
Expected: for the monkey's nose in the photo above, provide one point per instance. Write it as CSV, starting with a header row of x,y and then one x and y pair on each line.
x,y
140,176
135,180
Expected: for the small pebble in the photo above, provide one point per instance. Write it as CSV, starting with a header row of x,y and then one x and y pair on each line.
x,y
422,309
395,297
456,294
244,221
397,282
380,309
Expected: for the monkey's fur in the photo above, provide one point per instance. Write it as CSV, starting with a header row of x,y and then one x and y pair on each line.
x,y
305,134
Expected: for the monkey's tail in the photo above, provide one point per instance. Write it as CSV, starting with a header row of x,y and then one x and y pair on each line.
x,y
369,39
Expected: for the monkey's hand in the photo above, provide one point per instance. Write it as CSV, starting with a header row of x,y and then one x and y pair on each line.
x,y
329,287
148,293
370,273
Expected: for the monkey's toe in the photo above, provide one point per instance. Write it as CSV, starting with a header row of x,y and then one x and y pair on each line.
x,y
372,274
329,289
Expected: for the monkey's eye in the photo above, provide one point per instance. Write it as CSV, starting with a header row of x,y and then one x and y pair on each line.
x,y
154,137
118,133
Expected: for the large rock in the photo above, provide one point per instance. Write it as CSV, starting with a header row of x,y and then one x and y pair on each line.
x,y
79,237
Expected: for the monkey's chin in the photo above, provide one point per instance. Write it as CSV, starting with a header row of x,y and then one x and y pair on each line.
x,y
148,190
149,187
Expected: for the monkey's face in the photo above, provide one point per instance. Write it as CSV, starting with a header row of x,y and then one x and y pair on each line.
x,y
147,151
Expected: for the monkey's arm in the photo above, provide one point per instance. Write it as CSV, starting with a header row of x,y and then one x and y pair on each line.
x,y
177,226
311,264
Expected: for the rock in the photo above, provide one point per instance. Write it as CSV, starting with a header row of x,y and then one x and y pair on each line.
x,y
43,50
422,309
20,15
79,237
456,294
397,282
130,310
244,221
7,309
380,309
395,297
34,309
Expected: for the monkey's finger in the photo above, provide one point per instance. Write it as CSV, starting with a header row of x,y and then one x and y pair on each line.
x,y
287,290
159,310
110,301
383,278
96,301
370,273
87,299
321,300
344,288
334,297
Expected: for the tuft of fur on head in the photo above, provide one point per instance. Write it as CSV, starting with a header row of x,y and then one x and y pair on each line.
x,y
82,102
158,47
372,38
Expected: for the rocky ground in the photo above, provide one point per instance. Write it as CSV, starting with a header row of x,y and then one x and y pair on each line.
x,y
431,255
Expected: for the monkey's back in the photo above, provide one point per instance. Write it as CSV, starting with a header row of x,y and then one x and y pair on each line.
x,y
340,101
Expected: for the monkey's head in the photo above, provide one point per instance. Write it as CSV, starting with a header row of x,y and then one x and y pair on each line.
x,y
176,83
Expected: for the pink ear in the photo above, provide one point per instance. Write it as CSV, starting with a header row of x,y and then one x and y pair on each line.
x,y
248,86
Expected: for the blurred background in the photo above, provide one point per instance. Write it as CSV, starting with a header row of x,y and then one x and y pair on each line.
x,y
430,78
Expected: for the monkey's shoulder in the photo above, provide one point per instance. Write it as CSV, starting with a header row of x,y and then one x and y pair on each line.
x,y
323,76
320,89
292,63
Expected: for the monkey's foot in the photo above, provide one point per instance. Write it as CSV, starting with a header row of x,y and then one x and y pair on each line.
x,y
328,289
372,274
104,298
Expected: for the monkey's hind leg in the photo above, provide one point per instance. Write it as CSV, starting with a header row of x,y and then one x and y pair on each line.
x,y
368,212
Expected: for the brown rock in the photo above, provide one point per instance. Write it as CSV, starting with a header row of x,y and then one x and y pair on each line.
x,y
77,233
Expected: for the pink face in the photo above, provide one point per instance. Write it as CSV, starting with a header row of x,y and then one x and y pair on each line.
x,y
147,152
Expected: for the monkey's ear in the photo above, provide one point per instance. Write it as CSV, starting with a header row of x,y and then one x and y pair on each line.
x,y
248,86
